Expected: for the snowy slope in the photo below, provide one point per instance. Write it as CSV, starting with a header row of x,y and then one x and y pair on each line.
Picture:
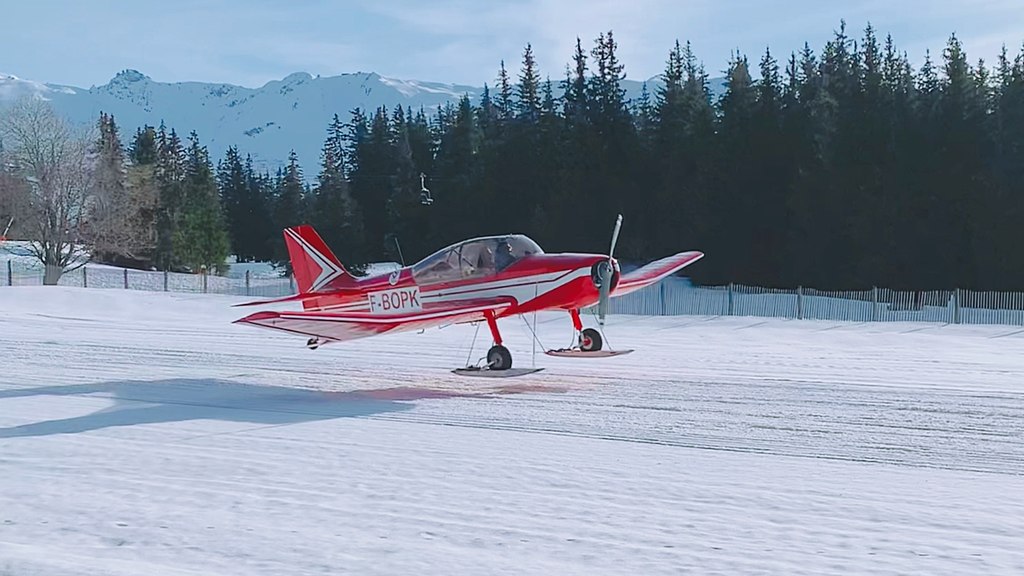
x,y
142,433
267,122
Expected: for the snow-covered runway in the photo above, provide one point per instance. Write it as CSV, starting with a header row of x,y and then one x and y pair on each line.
x,y
143,433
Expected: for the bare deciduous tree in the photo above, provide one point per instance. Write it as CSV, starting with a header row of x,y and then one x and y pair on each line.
x,y
13,199
49,162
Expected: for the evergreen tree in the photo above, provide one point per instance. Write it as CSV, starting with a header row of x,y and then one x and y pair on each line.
x,y
372,176
528,90
335,213
574,89
233,184
738,187
143,150
465,210
170,177
262,235
200,238
505,102
289,200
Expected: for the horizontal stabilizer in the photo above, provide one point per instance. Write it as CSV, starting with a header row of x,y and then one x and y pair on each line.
x,y
298,297
292,298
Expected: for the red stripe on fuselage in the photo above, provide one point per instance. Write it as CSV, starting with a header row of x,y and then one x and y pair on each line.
x,y
563,282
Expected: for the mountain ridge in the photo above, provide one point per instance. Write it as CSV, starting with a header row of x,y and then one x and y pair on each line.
x,y
267,122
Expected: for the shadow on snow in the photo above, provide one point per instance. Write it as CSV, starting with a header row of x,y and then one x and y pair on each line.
x,y
179,400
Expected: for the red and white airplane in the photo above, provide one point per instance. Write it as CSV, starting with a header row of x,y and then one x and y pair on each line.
x,y
481,279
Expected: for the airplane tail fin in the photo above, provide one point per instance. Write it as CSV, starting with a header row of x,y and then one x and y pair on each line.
x,y
314,265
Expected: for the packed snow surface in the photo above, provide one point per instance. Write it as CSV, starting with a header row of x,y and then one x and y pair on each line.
x,y
142,433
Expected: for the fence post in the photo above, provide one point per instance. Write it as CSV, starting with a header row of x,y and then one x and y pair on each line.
x,y
165,280
874,303
799,302
956,306
661,295
730,298
10,274
85,276
247,283
202,270
125,278
291,282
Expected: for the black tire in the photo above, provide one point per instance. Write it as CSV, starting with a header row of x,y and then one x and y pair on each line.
x,y
499,358
590,340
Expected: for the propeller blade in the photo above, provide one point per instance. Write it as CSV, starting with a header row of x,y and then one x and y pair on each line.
x,y
606,273
615,237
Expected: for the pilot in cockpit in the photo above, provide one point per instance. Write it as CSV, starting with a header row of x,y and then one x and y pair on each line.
x,y
503,257
485,259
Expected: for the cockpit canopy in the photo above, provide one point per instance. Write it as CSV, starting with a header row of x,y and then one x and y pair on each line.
x,y
476,258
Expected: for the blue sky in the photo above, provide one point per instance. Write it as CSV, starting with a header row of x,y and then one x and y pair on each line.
x,y
251,42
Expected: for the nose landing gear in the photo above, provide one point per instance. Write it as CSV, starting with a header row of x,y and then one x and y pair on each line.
x,y
589,342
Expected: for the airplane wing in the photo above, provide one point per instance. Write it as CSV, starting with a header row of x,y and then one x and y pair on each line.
x,y
339,327
654,272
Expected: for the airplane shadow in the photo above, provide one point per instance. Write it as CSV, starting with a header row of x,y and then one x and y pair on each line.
x,y
179,400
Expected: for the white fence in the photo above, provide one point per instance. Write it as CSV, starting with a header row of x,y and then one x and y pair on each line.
x,y
677,297
671,297
110,277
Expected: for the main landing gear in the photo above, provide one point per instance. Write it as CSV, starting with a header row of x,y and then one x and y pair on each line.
x,y
499,359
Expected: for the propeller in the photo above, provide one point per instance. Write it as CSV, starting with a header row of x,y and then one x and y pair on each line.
x,y
605,273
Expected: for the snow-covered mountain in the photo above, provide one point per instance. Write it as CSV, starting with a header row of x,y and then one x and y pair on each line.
x,y
266,122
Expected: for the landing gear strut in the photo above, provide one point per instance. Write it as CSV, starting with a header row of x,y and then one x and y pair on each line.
x,y
498,357
589,340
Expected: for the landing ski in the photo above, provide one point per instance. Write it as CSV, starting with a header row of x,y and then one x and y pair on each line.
x,y
577,353
488,373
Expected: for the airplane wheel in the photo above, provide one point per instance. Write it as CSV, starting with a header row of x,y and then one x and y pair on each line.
x,y
313,343
590,340
499,358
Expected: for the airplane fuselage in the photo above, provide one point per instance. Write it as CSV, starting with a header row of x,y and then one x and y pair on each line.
x,y
533,283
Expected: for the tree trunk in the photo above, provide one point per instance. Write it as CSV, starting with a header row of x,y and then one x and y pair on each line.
x,y
52,275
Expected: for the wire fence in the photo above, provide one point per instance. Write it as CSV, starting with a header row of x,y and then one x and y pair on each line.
x,y
671,297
